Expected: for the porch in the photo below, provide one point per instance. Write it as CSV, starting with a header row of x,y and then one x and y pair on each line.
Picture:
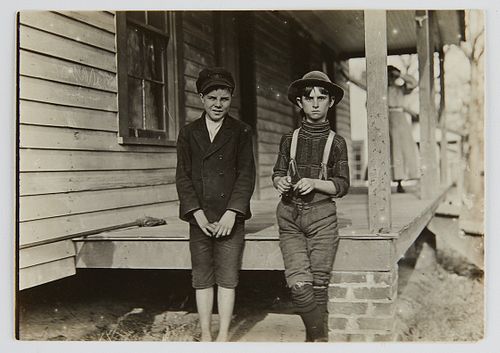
x,y
166,246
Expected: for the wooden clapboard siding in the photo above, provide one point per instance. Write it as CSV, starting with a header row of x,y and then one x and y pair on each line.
x,y
46,272
343,114
64,48
199,53
63,26
54,228
73,175
56,205
59,138
63,94
36,183
38,160
44,67
46,253
104,20
38,113
272,75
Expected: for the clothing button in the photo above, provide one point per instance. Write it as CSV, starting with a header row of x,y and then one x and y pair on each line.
x,y
220,156
221,173
222,195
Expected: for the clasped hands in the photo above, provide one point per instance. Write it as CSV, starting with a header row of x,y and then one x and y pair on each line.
x,y
303,186
218,229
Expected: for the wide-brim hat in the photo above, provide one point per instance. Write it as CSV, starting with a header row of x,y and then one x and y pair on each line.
x,y
214,77
314,79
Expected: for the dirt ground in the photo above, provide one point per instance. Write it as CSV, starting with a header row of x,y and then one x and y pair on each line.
x,y
145,305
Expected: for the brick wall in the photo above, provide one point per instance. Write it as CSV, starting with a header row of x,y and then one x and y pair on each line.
x,y
362,306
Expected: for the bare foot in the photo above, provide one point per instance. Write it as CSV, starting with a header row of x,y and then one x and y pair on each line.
x,y
206,337
221,337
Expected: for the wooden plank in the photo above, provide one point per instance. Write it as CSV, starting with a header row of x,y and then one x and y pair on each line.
x,y
379,172
34,183
267,158
190,84
58,93
55,115
44,67
285,120
445,179
269,147
258,255
66,27
192,69
193,113
48,137
52,228
269,137
104,20
414,227
35,160
46,253
56,205
429,180
192,100
51,271
270,103
50,44
193,54
266,125
193,38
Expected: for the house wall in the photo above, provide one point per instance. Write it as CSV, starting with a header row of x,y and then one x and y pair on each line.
x,y
73,175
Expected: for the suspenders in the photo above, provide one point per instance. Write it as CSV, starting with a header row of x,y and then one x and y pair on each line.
x,y
326,152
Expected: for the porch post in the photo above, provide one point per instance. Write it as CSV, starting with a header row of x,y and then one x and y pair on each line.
x,y
442,121
379,165
429,180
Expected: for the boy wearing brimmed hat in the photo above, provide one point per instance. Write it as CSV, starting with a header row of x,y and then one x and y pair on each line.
x,y
311,170
215,180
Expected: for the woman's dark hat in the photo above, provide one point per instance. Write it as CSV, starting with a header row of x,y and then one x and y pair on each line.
x,y
212,77
314,79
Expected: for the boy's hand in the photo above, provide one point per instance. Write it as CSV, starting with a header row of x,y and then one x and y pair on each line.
x,y
201,219
225,224
283,184
305,186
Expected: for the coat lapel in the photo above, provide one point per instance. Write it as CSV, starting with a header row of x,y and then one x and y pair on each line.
x,y
200,134
223,136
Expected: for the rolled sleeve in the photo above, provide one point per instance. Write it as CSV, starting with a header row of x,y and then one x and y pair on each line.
x,y
281,166
340,176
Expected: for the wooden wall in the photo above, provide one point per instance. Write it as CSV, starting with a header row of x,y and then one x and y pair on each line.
x,y
343,115
74,176
199,52
273,75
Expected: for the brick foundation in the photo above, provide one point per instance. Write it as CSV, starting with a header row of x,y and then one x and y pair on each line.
x,y
362,306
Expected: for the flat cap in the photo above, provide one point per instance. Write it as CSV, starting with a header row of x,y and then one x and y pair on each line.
x,y
212,77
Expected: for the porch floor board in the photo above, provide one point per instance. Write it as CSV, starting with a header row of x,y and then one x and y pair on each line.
x,y
167,246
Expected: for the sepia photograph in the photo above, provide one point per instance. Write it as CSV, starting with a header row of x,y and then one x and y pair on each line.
x,y
306,176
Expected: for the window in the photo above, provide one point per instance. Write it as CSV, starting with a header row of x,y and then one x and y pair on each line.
x,y
147,76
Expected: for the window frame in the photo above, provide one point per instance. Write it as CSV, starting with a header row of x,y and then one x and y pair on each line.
x,y
174,88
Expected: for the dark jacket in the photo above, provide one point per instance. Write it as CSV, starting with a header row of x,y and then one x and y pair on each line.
x,y
215,176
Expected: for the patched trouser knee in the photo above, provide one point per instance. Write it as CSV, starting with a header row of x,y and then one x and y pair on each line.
x,y
303,297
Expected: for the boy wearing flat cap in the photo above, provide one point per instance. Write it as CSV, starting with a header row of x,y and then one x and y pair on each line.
x,y
311,170
215,179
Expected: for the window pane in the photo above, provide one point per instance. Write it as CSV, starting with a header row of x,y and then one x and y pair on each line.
x,y
137,15
154,106
157,19
134,51
154,51
135,103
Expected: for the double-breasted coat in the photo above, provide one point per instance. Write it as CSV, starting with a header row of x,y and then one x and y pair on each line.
x,y
215,176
